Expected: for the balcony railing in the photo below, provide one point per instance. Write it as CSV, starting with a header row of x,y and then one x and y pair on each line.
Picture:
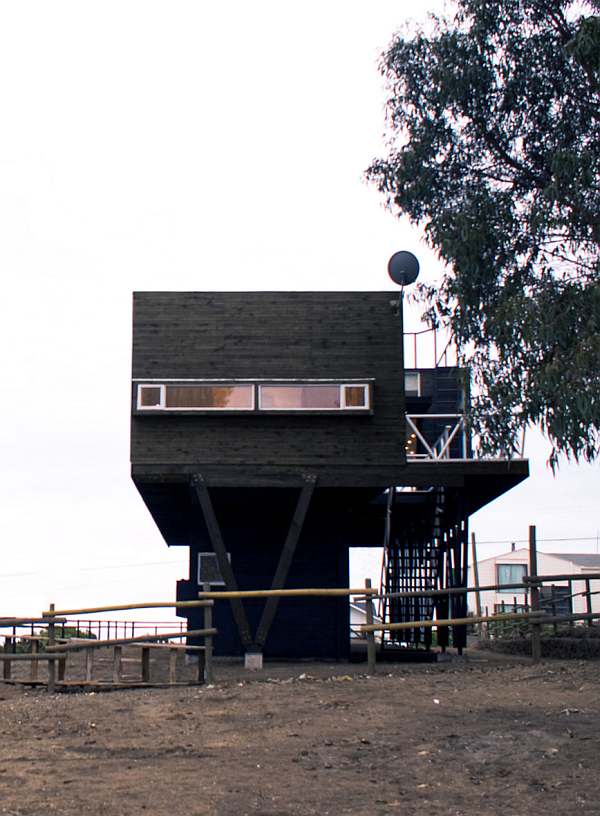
x,y
429,349
454,428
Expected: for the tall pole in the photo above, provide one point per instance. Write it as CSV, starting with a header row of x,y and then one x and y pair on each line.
x,y
536,644
51,663
208,642
371,653
476,578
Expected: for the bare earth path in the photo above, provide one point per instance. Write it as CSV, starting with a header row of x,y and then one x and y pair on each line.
x,y
488,734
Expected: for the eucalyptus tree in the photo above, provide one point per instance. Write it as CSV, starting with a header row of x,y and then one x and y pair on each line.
x,y
493,119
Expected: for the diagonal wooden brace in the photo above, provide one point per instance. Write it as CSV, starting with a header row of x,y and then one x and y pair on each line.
x,y
216,538
285,560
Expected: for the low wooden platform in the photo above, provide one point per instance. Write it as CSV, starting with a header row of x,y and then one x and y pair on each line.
x,y
137,665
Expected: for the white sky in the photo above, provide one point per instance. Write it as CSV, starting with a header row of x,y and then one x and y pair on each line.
x,y
184,146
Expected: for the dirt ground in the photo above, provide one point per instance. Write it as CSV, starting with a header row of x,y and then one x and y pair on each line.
x,y
483,734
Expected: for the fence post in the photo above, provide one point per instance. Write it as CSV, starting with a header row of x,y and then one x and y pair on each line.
x,y
51,663
117,664
7,664
62,669
476,582
208,639
371,655
34,663
588,601
172,665
145,664
536,643
89,664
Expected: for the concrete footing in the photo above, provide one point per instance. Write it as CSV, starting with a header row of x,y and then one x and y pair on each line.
x,y
253,660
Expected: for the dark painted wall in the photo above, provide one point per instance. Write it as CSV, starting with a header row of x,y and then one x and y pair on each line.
x,y
254,524
270,335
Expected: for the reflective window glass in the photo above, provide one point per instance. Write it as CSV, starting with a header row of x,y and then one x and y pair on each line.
x,y
355,396
209,396
299,397
149,396
412,383
511,574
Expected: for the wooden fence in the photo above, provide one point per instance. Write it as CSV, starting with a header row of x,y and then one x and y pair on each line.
x,y
57,650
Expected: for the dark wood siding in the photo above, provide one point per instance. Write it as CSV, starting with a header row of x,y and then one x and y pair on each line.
x,y
290,335
254,524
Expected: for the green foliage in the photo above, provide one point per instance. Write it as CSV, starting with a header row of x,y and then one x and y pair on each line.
x,y
494,147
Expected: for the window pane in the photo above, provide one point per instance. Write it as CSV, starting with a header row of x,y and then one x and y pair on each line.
x,y
355,396
209,396
149,396
562,600
412,383
208,569
320,396
299,397
511,574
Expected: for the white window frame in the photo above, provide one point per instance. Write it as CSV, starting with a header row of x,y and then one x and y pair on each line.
x,y
367,393
302,409
160,406
187,409
255,386
509,590
202,383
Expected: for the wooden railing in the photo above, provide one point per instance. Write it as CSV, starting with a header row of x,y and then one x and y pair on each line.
x,y
56,649
534,617
56,652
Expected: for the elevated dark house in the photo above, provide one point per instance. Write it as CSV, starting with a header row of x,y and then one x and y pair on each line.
x,y
270,435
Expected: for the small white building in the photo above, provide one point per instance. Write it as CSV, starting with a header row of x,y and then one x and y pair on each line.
x,y
510,567
358,616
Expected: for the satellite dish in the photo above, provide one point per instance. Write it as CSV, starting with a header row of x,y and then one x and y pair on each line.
x,y
403,268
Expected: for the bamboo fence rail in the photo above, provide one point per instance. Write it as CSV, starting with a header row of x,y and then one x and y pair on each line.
x,y
125,607
76,644
206,598
503,616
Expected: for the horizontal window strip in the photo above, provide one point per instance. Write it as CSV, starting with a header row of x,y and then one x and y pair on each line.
x,y
273,395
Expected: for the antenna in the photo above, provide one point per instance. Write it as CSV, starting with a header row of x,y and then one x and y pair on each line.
x,y
403,268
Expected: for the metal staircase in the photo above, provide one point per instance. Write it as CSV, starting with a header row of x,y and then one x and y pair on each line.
x,y
425,549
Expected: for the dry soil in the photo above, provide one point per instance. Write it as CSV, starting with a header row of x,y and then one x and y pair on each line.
x,y
487,734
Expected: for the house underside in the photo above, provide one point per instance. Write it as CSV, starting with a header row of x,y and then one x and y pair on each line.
x,y
300,527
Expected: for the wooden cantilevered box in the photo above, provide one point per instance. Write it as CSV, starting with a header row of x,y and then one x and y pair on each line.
x,y
266,428
284,356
